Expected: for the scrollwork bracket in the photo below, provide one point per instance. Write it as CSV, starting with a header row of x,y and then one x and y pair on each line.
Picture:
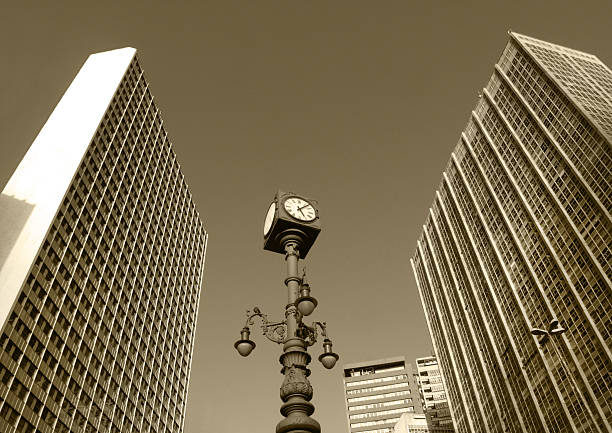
x,y
309,333
273,331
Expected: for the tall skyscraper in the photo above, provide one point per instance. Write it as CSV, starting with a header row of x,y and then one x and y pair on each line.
x,y
101,261
377,393
518,238
433,395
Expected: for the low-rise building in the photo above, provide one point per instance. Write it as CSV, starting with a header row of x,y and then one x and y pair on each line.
x,y
377,393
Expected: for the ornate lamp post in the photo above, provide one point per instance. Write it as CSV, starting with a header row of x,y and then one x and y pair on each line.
x,y
290,228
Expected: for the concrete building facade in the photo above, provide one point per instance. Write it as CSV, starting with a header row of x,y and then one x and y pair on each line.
x,y
519,238
377,393
433,395
101,263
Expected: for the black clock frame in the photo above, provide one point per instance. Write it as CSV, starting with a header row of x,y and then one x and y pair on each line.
x,y
285,227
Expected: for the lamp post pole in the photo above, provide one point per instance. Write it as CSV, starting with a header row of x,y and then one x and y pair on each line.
x,y
295,336
296,391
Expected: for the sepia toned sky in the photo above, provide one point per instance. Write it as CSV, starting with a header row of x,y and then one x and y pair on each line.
x,y
356,104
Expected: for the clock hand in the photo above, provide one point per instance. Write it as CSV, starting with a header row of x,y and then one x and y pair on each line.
x,y
300,209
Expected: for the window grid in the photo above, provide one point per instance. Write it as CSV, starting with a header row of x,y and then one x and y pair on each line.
x,y
519,232
497,387
590,153
542,269
576,261
449,300
442,351
378,396
377,380
77,354
543,390
572,78
380,405
591,221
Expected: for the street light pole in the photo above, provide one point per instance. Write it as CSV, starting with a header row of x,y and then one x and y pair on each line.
x,y
291,227
296,391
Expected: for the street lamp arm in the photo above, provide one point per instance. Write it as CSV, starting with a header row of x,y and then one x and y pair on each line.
x,y
273,331
310,334
323,326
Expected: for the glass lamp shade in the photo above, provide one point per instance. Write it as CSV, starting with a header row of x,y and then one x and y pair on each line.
x,y
244,347
554,323
306,305
328,358
558,330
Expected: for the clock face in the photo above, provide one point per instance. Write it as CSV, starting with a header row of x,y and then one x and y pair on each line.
x,y
269,218
300,209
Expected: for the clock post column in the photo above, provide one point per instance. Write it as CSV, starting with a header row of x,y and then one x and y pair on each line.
x,y
291,227
296,391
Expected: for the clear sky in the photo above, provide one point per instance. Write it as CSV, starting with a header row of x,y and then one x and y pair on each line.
x,y
356,104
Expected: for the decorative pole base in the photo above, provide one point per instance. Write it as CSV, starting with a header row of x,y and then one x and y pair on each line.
x,y
296,393
298,422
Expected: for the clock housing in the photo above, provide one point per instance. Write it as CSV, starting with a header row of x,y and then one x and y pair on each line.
x,y
286,226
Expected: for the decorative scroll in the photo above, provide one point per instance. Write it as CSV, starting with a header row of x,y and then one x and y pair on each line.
x,y
276,331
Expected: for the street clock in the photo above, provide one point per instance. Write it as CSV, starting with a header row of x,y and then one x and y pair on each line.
x,y
291,216
290,228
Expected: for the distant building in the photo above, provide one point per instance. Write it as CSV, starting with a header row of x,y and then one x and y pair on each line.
x,y
518,242
101,263
377,393
411,423
433,395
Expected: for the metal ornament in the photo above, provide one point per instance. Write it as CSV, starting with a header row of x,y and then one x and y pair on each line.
x,y
275,331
